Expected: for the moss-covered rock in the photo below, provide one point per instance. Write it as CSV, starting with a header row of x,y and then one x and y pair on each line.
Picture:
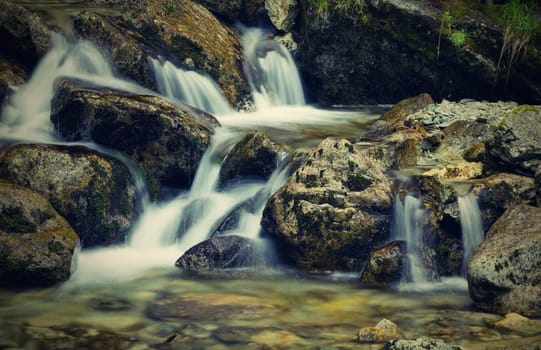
x,y
333,210
36,243
167,140
255,155
95,193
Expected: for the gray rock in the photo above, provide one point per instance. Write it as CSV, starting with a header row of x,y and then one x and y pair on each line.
x,y
222,252
419,344
538,186
515,147
504,273
282,13
333,210
36,243
95,193
167,140
255,155
229,10
10,75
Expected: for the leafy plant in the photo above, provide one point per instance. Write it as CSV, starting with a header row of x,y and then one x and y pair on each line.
x,y
521,25
354,8
458,38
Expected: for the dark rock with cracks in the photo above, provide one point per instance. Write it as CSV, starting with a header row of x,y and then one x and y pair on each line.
x,y
94,192
504,273
36,243
222,252
166,140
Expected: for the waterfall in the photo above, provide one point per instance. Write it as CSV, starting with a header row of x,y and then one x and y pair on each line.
x,y
189,87
407,226
471,226
271,71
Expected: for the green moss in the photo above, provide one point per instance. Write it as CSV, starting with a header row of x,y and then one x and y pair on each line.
x,y
55,247
525,108
13,220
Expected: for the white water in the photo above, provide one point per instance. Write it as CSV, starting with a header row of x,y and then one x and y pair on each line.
x,y
189,87
166,229
407,220
271,72
471,225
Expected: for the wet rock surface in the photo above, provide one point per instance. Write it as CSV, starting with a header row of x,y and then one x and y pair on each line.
x,y
385,265
504,274
166,140
36,243
94,192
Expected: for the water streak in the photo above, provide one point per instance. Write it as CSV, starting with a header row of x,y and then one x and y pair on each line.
x,y
471,225
189,87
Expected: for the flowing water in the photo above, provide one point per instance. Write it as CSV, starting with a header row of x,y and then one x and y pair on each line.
x,y
471,226
132,296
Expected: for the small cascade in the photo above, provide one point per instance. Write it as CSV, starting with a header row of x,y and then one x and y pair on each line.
x,y
407,226
271,71
26,115
471,226
189,87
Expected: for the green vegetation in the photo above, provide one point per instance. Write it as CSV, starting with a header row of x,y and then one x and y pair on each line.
x,y
521,25
350,8
448,28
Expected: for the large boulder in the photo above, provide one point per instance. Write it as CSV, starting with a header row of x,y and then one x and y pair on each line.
x,y
504,274
228,10
36,243
167,140
255,155
386,51
94,192
183,32
515,147
222,252
333,210
23,36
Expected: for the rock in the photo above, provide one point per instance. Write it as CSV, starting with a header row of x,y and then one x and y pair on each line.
x,y
167,140
515,147
501,191
395,118
222,252
128,54
23,36
517,323
474,153
379,53
333,210
76,336
456,171
255,155
10,75
538,186
385,265
419,344
460,136
282,13
36,243
504,273
95,193
385,330
228,10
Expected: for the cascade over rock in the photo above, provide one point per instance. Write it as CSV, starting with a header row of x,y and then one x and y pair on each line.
x,y
36,243
504,273
95,193
167,140
388,53
183,32
515,146
255,155
23,36
333,210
